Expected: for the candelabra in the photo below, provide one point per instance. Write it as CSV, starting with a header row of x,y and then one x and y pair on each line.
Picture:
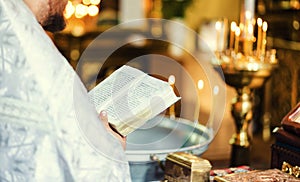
x,y
245,69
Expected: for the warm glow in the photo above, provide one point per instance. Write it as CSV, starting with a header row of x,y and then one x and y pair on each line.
x,y
250,29
93,10
265,26
253,21
81,10
218,29
69,10
264,38
237,31
86,7
171,80
200,84
259,22
78,28
253,66
95,2
241,27
218,25
248,15
259,36
233,26
216,90
237,39
86,2
137,40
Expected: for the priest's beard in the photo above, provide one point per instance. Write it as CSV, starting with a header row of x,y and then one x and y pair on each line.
x,y
55,23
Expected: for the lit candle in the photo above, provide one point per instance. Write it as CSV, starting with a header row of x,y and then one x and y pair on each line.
x,y
218,29
259,31
249,39
248,16
232,31
248,22
171,81
264,37
248,33
237,39
200,85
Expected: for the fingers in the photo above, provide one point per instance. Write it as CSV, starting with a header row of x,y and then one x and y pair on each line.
x,y
104,118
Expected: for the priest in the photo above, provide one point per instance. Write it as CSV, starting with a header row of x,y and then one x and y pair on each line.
x,y
49,130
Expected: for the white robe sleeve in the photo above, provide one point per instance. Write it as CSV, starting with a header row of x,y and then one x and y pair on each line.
x,y
49,131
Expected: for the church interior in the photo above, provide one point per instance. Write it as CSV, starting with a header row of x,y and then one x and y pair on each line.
x,y
235,64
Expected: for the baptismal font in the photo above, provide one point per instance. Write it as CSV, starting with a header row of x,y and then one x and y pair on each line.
x,y
246,65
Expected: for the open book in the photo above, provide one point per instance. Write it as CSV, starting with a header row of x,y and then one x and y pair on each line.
x,y
131,98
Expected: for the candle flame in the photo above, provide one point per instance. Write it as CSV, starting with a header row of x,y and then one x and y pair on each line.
x,y
171,80
218,25
248,15
265,26
259,22
233,26
81,10
237,31
93,10
95,2
86,2
69,10
200,84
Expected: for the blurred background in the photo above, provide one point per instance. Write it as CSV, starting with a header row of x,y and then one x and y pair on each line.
x,y
87,19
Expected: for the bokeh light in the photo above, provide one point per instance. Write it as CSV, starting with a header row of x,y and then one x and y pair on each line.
x,y
82,9
93,10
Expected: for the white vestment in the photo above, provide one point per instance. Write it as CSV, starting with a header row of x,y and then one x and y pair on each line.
x,y
49,131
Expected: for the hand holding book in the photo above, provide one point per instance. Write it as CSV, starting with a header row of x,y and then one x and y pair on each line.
x,y
131,98
104,119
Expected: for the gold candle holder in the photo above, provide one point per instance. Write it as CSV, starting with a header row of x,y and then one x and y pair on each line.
x,y
245,72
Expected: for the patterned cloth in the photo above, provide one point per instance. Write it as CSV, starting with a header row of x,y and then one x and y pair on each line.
x,y
49,131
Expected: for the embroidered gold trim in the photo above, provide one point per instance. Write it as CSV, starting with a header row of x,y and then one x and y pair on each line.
x,y
292,170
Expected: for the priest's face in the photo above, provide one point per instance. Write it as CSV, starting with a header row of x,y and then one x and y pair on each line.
x,y
55,20
49,13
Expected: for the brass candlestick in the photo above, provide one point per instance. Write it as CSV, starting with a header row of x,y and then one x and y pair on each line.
x,y
245,69
245,74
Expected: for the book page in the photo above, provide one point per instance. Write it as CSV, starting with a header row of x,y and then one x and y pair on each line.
x,y
111,86
131,98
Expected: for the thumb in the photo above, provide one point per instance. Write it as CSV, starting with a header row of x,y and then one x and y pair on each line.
x,y
104,119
